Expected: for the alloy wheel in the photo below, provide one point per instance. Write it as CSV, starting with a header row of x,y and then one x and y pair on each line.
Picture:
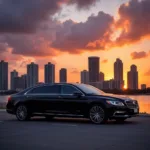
x,y
97,114
21,113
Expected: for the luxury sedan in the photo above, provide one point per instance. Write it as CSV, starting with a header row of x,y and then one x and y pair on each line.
x,y
71,100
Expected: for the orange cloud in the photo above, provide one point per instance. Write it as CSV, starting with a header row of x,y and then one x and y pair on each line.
x,y
134,22
147,73
104,61
74,71
90,35
139,55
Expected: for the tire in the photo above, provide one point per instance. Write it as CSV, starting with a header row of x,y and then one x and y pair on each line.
x,y
97,114
120,119
49,117
22,113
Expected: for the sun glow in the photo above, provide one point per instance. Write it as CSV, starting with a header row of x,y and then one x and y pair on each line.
x,y
125,87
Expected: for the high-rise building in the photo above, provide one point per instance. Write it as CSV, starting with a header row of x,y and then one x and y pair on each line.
x,y
132,78
143,86
18,84
93,65
63,75
118,73
3,75
32,74
13,74
24,81
101,77
85,77
49,73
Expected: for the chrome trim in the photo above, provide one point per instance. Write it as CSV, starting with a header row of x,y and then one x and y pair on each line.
x,y
55,114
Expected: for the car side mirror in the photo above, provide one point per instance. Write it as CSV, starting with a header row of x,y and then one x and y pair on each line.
x,y
78,94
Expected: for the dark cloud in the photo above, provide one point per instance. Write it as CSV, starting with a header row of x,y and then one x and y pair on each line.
x,y
3,47
24,16
83,3
30,45
139,55
92,34
134,20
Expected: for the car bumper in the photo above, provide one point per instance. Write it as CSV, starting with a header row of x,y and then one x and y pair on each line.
x,y
9,111
10,108
123,112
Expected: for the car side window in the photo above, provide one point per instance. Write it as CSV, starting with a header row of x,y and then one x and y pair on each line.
x,y
54,89
67,89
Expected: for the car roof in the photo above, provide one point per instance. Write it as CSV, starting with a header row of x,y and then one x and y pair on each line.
x,y
46,84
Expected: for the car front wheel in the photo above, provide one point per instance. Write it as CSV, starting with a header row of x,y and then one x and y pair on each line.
x,y
97,114
22,113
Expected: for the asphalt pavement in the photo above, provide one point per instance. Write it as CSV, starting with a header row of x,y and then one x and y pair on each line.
x,y
73,134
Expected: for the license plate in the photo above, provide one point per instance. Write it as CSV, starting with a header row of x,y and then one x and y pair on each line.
x,y
135,110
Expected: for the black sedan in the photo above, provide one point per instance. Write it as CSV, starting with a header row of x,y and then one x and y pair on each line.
x,y
71,100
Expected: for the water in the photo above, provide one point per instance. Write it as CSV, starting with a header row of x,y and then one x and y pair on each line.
x,y
144,101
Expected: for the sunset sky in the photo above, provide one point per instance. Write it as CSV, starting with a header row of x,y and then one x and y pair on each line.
x,y
66,32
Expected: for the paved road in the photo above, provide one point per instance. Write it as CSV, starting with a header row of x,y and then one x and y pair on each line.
x,y
73,134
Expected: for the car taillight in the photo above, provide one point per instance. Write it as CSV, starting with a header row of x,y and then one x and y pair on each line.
x,y
9,98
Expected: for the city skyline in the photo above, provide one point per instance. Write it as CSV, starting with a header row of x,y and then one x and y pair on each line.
x,y
66,36
84,74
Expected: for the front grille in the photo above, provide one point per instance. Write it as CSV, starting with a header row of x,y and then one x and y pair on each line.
x,y
132,104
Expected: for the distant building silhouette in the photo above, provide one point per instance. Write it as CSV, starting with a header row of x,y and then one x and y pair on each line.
x,y
24,81
13,74
49,73
143,86
18,84
32,74
3,75
63,75
84,77
118,74
101,77
132,78
93,65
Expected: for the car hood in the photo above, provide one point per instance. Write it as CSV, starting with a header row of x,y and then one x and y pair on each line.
x,y
124,98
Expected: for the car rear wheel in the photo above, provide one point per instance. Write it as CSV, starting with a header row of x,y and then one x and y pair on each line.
x,y
97,114
22,113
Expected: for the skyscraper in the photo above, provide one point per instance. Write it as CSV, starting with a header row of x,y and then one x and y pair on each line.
x,y
93,64
3,75
63,75
13,74
132,78
85,77
32,74
49,73
118,73
101,77
24,81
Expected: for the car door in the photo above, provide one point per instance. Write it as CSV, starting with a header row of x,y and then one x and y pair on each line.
x,y
42,99
72,103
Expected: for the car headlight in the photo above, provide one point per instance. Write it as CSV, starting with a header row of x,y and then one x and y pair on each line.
x,y
115,103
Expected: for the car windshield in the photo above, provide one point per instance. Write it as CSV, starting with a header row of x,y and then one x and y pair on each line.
x,y
88,89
